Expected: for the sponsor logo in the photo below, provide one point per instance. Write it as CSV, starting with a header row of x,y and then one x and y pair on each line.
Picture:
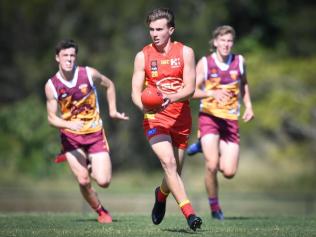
x,y
175,62
151,132
62,92
164,62
64,95
213,73
169,85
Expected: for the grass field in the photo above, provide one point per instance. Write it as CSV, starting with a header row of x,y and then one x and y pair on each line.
x,y
260,201
138,225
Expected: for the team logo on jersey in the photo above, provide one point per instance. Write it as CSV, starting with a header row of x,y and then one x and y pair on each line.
x,y
175,62
62,92
83,88
154,65
169,85
213,73
233,74
154,68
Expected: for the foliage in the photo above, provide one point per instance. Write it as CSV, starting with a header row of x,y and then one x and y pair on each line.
x,y
31,144
284,100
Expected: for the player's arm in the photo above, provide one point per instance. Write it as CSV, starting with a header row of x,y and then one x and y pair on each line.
x,y
138,79
110,93
199,93
188,77
245,94
52,110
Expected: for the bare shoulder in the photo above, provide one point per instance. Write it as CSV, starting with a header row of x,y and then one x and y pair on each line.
x,y
139,62
241,57
140,56
201,60
188,51
96,75
48,90
92,71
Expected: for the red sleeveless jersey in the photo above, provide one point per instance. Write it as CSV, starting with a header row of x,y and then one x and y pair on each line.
x,y
78,100
165,72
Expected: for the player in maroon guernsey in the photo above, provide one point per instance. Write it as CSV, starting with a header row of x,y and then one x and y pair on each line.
x,y
170,67
220,82
72,107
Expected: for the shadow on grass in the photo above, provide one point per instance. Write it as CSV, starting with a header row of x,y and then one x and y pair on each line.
x,y
244,218
91,220
185,231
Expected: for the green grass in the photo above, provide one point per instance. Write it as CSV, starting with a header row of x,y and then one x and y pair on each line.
x,y
138,225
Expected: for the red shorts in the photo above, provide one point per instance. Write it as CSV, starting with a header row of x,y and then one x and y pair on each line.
x,y
91,143
178,129
227,129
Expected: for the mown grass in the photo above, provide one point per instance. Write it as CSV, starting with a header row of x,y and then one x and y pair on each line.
x,y
75,224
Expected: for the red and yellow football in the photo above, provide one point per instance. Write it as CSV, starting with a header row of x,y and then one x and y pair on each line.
x,y
152,98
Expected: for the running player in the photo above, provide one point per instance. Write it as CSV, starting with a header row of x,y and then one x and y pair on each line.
x,y
220,81
72,107
169,66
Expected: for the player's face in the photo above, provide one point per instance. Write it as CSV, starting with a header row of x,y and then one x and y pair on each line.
x,y
224,44
160,32
67,59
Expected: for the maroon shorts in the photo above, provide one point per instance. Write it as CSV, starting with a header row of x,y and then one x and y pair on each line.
x,y
227,129
91,143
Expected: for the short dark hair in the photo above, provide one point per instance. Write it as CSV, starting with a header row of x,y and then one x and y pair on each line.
x,y
161,13
66,44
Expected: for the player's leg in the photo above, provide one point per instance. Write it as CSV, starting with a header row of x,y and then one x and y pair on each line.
x,y
210,145
179,156
229,148
229,158
102,173
162,192
161,145
193,221
101,168
77,161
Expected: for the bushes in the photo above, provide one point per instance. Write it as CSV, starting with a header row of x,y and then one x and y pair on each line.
x,y
27,143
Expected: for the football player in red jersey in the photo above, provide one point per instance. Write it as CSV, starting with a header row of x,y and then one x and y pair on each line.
x,y
169,66
220,80
72,107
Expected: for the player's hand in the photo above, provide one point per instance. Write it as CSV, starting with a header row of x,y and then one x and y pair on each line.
x,y
118,115
166,102
222,96
248,114
75,125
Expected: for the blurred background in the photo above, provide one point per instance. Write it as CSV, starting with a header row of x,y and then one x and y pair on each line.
x,y
277,172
